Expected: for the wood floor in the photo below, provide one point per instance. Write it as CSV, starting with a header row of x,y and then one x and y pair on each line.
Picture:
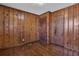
x,y
35,49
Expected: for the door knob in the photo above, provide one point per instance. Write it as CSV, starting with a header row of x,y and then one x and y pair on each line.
x,y
23,39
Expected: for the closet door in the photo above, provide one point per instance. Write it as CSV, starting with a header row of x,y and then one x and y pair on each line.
x,y
29,28
43,30
58,34
33,32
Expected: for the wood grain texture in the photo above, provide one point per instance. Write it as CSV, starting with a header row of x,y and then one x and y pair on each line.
x,y
17,27
35,49
66,29
44,28
60,28
1,27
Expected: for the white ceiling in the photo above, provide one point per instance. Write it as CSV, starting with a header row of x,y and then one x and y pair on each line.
x,y
37,8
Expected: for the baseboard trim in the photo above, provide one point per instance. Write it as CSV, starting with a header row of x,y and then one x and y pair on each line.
x,y
19,45
66,47
57,45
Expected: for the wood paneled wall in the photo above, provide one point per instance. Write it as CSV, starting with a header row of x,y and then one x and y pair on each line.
x,y
60,27
64,28
17,27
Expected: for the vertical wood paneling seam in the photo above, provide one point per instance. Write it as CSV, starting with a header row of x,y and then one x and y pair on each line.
x,y
77,28
48,28
9,25
73,27
13,31
63,29
23,25
68,32
3,26
38,27
30,37
20,26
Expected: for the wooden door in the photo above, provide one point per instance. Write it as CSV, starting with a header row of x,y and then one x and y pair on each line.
x,y
58,32
33,32
43,30
27,28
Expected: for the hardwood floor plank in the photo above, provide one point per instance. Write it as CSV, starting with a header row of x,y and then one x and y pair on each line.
x,y
33,49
